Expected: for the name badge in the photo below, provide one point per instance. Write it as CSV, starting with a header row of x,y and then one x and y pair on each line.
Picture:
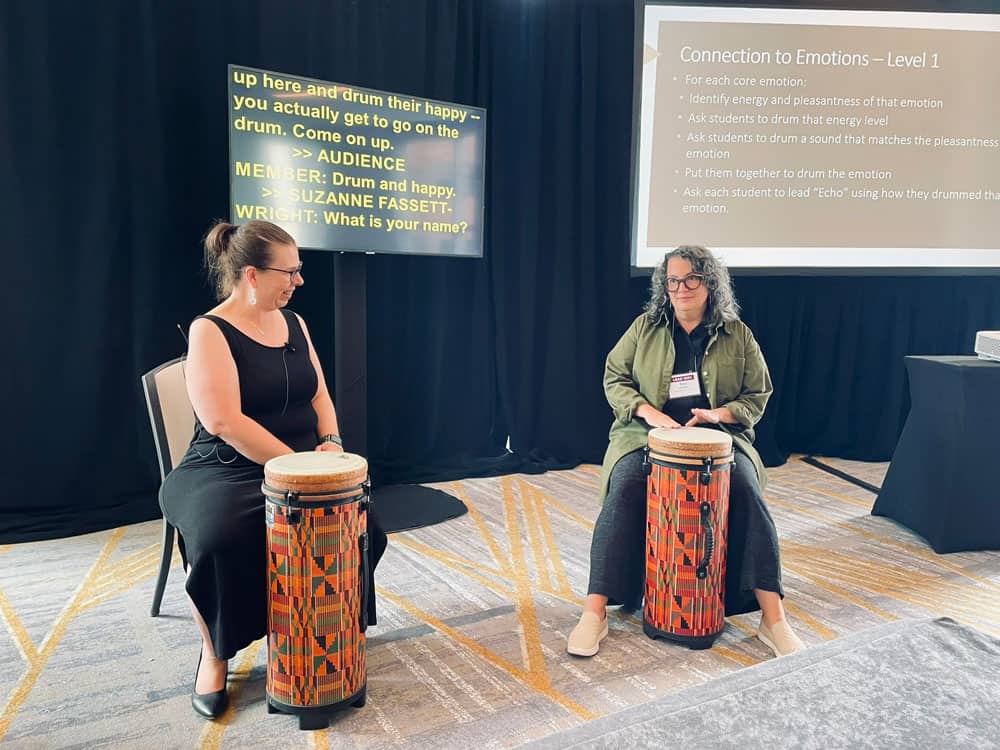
x,y
684,384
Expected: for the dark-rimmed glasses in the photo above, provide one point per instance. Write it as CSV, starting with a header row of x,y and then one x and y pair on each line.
x,y
291,273
691,282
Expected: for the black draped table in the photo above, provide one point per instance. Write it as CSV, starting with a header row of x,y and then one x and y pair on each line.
x,y
943,479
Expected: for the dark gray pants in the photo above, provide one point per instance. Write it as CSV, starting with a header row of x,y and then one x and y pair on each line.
x,y
618,555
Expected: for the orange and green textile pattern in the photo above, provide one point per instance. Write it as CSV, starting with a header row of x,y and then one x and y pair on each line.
x,y
677,601
316,650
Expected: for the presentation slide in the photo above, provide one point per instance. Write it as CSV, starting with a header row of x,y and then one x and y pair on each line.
x,y
347,168
819,139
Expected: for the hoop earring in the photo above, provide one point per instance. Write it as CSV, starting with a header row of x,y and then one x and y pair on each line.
x,y
253,296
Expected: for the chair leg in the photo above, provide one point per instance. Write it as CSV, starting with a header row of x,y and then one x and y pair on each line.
x,y
166,557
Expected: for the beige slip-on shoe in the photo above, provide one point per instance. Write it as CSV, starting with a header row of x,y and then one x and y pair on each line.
x,y
780,638
585,639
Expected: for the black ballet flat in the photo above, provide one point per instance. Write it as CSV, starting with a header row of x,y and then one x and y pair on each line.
x,y
212,705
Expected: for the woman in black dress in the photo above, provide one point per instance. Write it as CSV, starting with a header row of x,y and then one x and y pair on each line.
x,y
258,391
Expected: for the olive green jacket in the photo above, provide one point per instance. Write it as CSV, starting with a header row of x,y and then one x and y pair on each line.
x,y
638,370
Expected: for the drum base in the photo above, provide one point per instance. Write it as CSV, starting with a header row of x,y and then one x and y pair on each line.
x,y
693,642
317,717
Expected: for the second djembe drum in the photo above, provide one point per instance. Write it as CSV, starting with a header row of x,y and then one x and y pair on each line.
x,y
687,505
318,571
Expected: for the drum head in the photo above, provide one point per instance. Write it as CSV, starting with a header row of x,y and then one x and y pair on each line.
x,y
315,471
693,442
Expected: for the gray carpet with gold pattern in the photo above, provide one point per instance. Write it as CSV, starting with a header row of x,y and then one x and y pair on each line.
x,y
473,618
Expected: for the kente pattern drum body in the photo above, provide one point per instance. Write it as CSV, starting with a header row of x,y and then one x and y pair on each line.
x,y
317,547
687,506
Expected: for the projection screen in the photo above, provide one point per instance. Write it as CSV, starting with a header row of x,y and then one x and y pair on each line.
x,y
810,139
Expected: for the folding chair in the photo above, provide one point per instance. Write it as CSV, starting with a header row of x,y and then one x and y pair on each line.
x,y
172,420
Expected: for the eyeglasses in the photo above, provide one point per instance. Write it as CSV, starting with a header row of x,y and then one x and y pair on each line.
x,y
291,273
691,281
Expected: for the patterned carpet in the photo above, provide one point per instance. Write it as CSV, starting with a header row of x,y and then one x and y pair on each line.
x,y
473,618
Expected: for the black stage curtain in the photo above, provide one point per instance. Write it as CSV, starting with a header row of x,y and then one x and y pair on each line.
x,y
560,223
114,142
113,129
835,348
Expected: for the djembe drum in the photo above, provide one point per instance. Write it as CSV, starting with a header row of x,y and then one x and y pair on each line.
x,y
318,572
687,504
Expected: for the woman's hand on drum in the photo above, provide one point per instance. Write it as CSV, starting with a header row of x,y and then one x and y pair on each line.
x,y
704,416
330,447
655,417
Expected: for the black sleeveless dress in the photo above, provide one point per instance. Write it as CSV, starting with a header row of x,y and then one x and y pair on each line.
x,y
213,497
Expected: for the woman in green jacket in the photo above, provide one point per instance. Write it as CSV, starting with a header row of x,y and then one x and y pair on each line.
x,y
690,326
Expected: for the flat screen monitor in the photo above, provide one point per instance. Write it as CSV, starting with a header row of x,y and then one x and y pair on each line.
x,y
341,167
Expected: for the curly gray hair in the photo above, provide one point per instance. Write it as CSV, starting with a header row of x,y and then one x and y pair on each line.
x,y
722,305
